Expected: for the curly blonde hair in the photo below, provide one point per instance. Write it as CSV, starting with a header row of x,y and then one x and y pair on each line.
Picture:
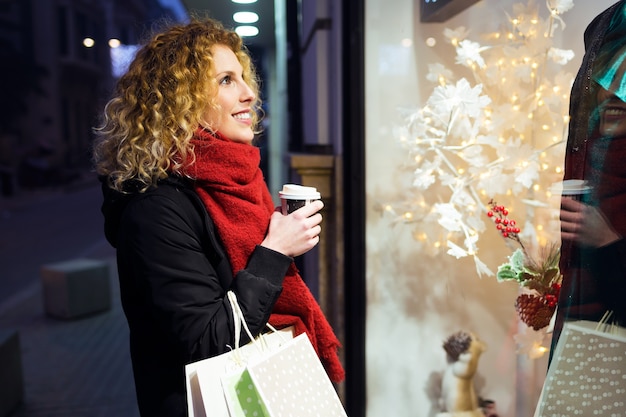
x,y
159,102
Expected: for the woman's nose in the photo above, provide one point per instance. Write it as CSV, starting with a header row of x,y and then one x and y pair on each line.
x,y
247,94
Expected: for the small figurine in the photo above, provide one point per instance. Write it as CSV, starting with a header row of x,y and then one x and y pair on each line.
x,y
458,397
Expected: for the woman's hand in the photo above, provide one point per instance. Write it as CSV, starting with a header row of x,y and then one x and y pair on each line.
x,y
585,224
295,233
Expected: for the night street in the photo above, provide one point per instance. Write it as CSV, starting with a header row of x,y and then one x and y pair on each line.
x,y
48,226
77,367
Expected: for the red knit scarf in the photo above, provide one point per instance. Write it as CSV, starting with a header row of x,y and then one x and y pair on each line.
x,y
231,185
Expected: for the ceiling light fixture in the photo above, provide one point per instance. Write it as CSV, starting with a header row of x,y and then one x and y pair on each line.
x,y
247,30
245,17
244,1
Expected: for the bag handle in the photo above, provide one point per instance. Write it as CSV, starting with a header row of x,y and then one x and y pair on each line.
x,y
240,321
607,325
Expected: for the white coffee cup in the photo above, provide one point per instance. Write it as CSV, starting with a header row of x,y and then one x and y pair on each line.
x,y
294,196
576,189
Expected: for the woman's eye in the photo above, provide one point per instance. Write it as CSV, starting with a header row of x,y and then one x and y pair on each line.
x,y
226,80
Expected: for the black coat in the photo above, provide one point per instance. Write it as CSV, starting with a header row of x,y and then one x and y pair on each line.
x,y
594,280
173,276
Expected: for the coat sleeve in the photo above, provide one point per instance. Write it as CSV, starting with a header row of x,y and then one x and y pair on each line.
x,y
609,270
171,291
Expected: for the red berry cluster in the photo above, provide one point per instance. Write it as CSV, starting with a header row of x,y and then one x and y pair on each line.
x,y
507,227
553,297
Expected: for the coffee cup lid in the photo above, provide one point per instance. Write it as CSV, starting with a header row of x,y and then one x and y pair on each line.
x,y
299,192
571,187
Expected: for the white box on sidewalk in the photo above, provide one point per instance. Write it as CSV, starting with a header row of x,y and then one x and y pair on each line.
x,y
76,287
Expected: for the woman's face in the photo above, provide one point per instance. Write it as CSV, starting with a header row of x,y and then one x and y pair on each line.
x,y
612,114
233,119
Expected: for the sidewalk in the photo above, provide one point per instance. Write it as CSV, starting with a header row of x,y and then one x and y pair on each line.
x,y
71,368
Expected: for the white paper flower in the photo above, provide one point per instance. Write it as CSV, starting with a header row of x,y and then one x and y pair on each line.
x,y
454,36
492,138
481,267
560,56
449,216
438,73
468,52
456,250
561,6
460,97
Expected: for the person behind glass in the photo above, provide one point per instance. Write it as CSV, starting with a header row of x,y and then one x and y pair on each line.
x,y
188,211
593,252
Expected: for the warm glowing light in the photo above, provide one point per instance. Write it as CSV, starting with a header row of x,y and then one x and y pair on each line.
x,y
245,17
88,42
246,30
408,215
431,42
114,43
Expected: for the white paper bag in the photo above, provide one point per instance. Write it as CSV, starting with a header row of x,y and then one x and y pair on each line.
x,y
291,381
587,375
205,395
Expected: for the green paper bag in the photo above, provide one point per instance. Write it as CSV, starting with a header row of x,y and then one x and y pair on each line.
x,y
242,397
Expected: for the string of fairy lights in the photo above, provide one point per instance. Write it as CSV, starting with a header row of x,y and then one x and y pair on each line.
x,y
495,131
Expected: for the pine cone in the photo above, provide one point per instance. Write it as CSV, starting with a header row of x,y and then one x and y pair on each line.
x,y
534,310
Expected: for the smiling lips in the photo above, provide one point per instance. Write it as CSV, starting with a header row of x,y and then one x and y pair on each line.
x,y
243,116
614,112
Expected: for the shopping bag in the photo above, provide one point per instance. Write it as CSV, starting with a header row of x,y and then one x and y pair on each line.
x,y
587,375
291,381
242,398
205,394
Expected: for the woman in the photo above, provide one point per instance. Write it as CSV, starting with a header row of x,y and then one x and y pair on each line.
x,y
593,252
190,216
